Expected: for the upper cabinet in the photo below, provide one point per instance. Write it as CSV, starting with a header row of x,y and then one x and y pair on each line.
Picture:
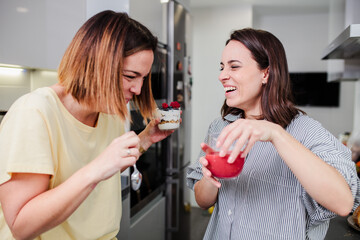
x,y
36,33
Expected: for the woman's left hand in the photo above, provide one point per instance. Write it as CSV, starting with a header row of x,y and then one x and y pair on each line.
x,y
152,134
246,132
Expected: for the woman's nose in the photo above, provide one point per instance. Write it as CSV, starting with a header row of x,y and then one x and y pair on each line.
x,y
136,88
224,75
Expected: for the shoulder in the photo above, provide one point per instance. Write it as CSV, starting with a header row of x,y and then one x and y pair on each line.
x,y
311,133
34,105
302,124
39,98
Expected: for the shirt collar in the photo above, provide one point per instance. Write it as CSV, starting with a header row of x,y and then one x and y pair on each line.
x,y
232,118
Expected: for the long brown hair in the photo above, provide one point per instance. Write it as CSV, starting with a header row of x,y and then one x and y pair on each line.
x,y
91,69
277,103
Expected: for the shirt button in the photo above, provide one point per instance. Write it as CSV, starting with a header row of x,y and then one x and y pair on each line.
x,y
229,212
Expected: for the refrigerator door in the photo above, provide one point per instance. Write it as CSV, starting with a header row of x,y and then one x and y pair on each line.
x,y
179,89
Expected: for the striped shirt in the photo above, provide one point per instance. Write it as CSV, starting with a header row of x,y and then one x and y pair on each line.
x,y
266,201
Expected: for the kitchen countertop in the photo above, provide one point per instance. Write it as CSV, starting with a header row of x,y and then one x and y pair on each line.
x,y
340,229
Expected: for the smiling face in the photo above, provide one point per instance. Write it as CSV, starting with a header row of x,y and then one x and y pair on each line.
x,y
136,68
242,79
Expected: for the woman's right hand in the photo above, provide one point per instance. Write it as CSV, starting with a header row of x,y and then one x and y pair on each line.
x,y
207,175
119,155
206,190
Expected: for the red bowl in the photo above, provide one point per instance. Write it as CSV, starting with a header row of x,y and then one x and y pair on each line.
x,y
220,168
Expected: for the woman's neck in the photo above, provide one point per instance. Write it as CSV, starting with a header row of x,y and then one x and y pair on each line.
x,y
80,112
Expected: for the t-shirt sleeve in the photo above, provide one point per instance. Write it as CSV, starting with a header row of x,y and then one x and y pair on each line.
x,y
24,142
333,152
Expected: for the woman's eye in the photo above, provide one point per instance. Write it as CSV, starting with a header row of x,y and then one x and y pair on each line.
x,y
221,68
129,76
234,66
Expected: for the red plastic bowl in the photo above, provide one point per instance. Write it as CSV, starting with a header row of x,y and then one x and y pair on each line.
x,y
220,168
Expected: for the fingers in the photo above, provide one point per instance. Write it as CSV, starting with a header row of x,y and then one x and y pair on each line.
x,y
206,148
131,152
207,174
129,140
130,160
203,161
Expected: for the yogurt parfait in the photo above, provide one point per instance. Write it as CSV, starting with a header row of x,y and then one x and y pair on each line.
x,y
169,116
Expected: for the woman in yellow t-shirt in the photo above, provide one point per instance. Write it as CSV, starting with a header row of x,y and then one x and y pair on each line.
x,y
63,147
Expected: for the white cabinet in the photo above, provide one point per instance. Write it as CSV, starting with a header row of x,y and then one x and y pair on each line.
x,y
36,33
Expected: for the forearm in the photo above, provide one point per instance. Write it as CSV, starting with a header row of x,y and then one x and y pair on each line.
x,y
322,181
52,207
205,193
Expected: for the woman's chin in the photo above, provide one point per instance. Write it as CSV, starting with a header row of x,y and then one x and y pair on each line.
x,y
231,104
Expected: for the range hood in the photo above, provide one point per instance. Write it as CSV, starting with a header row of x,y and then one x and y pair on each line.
x,y
345,47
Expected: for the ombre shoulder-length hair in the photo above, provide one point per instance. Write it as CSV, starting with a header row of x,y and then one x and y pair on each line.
x,y
277,103
91,69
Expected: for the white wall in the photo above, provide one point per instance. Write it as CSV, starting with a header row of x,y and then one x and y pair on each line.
x,y
305,35
211,29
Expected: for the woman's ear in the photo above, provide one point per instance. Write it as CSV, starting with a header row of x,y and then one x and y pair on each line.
x,y
265,75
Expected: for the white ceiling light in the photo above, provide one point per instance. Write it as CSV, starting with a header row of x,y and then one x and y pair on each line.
x,y
11,71
22,9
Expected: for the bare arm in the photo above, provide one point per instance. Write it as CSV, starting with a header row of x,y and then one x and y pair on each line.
x,y
26,199
26,196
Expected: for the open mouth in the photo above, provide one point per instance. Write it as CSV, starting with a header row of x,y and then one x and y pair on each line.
x,y
229,89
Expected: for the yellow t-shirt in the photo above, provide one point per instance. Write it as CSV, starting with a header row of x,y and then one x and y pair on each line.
x,y
39,135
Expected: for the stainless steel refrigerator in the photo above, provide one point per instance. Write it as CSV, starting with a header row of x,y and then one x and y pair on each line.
x,y
179,89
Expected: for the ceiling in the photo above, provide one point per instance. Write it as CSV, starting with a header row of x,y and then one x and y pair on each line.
x,y
265,3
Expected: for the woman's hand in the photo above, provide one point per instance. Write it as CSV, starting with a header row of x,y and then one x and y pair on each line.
x,y
207,175
245,132
152,134
119,155
206,190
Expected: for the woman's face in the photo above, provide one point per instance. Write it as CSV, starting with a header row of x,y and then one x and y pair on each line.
x,y
241,78
136,68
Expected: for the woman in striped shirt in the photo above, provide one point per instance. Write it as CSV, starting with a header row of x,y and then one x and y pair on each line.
x,y
296,174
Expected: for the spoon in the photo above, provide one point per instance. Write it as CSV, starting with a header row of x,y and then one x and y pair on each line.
x,y
136,178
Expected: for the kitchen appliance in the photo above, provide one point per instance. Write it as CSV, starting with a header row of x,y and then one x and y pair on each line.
x,y
179,89
148,202
152,164
163,192
343,53
346,46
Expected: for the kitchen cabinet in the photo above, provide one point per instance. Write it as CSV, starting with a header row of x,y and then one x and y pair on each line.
x,y
36,33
